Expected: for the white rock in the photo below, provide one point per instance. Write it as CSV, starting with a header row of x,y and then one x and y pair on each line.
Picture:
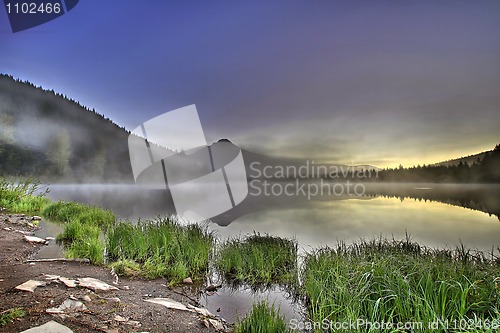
x,y
33,239
95,284
133,323
216,324
113,300
68,282
86,298
30,285
203,312
68,305
49,327
120,318
169,303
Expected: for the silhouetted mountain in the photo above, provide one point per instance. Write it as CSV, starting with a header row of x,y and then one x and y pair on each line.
x,y
47,135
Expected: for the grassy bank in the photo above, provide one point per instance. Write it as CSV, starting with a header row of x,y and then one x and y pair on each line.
x,y
385,281
377,281
160,248
259,259
83,226
19,196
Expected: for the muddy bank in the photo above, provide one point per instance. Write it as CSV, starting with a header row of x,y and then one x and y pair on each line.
x,y
121,310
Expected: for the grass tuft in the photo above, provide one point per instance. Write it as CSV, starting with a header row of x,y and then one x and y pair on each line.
x,y
126,267
82,229
262,319
76,212
90,248
259,260
10,315
18,196
163,248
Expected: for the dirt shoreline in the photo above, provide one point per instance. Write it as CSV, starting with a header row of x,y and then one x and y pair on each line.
x,y
122,310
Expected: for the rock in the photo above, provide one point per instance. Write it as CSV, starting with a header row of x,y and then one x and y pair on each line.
x,y
30,285
113,300
95,285
120,319
49,238
127,321
36,218
187,280
68,305
169,303
86,298
213,287
216,324
49,327
201,311
68,282
7,229
37,240
133,323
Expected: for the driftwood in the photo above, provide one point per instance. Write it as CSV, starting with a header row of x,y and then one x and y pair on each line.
x,y
86,261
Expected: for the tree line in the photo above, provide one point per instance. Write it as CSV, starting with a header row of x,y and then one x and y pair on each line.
x,y
485,170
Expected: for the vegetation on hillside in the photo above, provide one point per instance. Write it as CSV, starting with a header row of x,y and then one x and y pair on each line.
x,y
47,135
486,170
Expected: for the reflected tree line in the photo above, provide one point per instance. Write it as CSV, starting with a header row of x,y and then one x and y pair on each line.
x,y
477,197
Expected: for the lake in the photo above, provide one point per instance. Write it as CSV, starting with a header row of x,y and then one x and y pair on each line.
x,y
434,215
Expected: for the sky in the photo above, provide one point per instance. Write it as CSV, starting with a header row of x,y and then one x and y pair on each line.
x,y
383,82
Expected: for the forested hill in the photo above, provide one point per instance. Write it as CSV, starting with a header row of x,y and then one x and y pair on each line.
x,y
484,169
46,135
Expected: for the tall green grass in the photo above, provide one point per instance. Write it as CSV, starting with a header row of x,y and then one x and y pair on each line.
x,y
386,281
259,260
162,248
83,226
18,196
262,319
81,213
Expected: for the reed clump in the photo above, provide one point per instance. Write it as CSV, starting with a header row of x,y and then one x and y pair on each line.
x,y
161,248
259,259
389,281
262,318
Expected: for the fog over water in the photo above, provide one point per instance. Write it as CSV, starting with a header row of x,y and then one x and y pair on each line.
x,y
436,215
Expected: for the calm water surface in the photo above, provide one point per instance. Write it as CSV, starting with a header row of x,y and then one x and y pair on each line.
x,y
434,215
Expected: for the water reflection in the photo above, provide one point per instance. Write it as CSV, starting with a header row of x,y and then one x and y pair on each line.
x,y
319,223
431,213
435,215
234,303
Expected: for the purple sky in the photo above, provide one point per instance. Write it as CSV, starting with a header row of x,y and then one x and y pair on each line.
x,y
379,82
